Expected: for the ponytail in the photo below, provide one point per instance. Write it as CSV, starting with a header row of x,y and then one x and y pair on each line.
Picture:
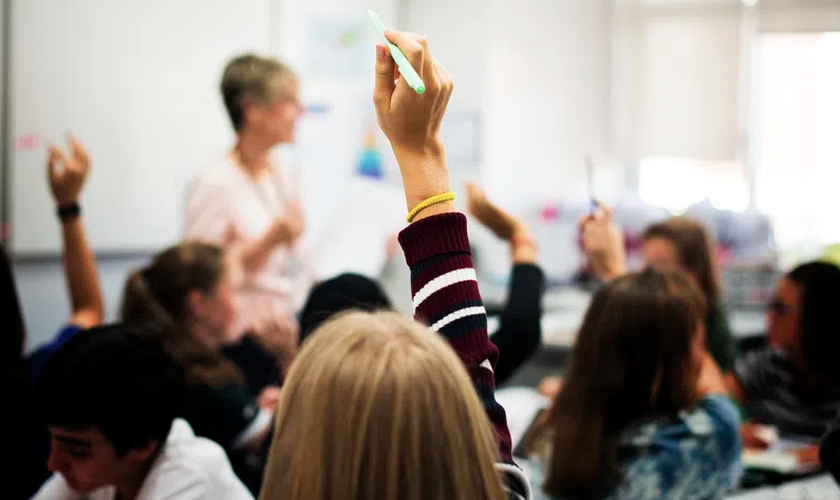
x,y
158,294
139,304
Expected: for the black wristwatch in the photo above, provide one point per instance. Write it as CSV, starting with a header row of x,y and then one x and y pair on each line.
x,y
68,211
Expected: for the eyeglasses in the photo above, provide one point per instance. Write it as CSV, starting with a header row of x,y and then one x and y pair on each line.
x,y
778,306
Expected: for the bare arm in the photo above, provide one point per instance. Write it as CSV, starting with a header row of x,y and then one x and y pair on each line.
x,y
603,243
734,388
67,175
82,276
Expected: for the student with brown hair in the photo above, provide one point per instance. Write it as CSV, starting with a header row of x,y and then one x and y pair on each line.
x,y
377,406
643,411
190,291
679,243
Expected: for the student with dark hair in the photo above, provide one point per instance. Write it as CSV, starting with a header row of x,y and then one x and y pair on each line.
x,y
28,446
794,383
110,396
189,290
346,292
643,411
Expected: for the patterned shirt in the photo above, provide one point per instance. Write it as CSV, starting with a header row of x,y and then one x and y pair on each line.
x,y
693,455
775,396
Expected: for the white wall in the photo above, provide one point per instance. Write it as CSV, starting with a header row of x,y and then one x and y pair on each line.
x,y
540,71
547,95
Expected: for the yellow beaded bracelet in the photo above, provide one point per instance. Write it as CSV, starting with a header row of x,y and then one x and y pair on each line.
x,y
428,202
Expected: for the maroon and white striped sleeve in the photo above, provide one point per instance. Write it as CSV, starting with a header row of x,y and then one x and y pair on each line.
x,y
445,296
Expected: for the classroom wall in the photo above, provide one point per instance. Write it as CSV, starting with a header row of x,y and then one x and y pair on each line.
x,y
43,293
41,281
542,109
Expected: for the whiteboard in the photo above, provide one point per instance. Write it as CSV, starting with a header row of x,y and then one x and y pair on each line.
x,y
137,82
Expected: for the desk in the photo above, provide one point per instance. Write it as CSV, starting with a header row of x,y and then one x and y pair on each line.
x,y
820,487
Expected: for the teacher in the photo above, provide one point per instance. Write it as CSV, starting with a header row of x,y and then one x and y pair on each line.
x,y
248,202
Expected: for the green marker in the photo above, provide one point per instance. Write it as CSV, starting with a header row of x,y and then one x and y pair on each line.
x,y
411,77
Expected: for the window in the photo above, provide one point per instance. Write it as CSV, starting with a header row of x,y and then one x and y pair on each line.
x,y
678,183
794,132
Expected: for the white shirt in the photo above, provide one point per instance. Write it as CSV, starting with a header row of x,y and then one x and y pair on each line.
x,y
188,468
227,206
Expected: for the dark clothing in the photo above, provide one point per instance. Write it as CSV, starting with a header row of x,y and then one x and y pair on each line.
x,y
775,396
719,341
258,367
35,362
519,334
223,414
830,449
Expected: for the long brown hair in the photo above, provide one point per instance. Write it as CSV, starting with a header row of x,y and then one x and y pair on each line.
x,y
158,293
695,251
377,406
632,361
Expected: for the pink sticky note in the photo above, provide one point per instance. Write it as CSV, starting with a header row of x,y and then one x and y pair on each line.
x,y
7,231
28,141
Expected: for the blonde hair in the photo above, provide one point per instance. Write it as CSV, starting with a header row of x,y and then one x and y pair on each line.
x,y
250,78
377,406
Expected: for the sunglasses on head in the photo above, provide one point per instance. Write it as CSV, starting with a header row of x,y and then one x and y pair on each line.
x,y
778,307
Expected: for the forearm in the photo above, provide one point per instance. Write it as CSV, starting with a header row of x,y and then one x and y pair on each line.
x,y
254,254
81,273
519,333
523,249
611,270
446,296
734,389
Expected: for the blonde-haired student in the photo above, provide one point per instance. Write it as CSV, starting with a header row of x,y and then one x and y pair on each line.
x,y
376,406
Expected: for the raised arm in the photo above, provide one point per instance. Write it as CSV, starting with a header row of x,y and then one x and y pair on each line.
x,y
603,243
444,289
67,174
519,334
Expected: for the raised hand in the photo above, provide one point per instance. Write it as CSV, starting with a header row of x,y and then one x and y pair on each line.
x,y
503,225
603,243
411,121
67,172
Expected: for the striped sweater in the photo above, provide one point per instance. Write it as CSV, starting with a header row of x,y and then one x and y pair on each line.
x,y
445,295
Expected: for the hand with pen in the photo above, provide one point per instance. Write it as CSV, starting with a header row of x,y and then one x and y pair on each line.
x,y
411,121
603,243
